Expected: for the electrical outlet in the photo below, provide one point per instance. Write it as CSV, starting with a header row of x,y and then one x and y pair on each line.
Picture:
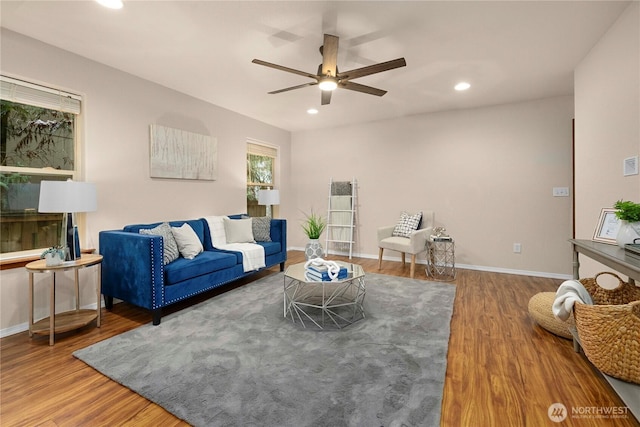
x,y
560,191
517,248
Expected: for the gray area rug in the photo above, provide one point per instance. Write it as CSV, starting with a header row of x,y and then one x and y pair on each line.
x,y
233,360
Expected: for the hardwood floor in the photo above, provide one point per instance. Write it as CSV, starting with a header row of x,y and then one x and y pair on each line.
x,y
502,369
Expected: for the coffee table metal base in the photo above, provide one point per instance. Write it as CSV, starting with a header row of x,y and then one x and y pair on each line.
x,y
332,304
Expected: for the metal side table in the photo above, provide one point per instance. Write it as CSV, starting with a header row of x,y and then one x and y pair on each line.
x,y
441,262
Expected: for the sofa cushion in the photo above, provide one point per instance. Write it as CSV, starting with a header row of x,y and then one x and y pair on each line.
x,y
205,263
188,242
261,228
407,224
238,230
270,248
171,252
196,224
216,231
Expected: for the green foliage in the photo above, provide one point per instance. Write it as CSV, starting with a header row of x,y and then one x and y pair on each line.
x,y
627,210
35,137
314,225
5,180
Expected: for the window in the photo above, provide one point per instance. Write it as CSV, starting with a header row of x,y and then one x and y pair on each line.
x,y
38,142
261,160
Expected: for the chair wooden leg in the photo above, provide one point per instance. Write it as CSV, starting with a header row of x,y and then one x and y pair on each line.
x,y
403,259
380,258
413,265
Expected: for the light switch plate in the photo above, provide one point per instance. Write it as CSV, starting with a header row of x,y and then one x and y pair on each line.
x,y
560,191
630,166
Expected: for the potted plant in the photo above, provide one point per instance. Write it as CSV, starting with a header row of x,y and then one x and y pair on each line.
x,y
55,255
629,215
313,226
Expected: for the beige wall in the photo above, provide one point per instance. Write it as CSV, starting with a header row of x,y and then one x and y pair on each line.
x,y
118,111
607,106
488,174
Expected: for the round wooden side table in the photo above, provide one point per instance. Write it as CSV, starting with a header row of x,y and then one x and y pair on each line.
x,y
69,320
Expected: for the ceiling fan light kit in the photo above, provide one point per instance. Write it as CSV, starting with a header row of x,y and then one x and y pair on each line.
x,y
329,78
328,84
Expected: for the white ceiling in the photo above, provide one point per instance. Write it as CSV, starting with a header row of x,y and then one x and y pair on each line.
x,y
509,51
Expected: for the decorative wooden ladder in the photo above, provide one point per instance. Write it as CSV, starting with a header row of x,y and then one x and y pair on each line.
x,y
341,215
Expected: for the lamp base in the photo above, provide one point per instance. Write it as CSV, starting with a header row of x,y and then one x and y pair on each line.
x,y
72,239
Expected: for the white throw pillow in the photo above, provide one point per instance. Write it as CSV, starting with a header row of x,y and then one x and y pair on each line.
x,y
239,230
188,242
216,227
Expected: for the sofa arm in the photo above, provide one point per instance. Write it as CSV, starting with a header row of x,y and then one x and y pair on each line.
x,y
132,268
419,239
385,232
279,232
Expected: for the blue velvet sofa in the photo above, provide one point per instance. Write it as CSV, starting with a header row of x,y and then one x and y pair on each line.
x,y
133,269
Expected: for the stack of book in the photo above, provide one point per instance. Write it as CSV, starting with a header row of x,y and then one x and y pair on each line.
x,y
321,273
440,238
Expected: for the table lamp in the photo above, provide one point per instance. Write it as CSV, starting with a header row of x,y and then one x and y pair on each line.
x,y
68,197
269,198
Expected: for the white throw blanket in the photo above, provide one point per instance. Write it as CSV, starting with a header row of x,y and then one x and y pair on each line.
x,y
569,292
252,254
340,218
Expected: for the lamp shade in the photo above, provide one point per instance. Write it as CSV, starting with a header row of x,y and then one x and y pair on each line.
x,y
67,196
269,197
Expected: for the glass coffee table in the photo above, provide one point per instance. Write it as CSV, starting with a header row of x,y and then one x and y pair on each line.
x,y
324,304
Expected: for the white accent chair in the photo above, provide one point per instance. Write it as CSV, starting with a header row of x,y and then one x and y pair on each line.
x,y
414,245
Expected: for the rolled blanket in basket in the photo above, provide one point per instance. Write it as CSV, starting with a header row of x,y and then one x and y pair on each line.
x,y
569,292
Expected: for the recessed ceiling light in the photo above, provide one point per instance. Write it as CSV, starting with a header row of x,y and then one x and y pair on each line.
x,y
111,4
312,111
462,86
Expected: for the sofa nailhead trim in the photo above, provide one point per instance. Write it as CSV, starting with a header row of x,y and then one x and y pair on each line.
x,y
154,301
217,285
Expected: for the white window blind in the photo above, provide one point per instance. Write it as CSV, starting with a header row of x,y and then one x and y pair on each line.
x,y
261,150
41,96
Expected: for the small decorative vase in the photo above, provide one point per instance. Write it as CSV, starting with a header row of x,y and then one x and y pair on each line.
x,y
54,258
628,232
313,249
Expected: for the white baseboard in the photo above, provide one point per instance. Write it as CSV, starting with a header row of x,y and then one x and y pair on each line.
x,y
461,266
15,329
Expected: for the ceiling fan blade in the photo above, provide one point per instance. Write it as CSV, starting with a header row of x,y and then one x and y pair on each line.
x,y
287,69
372,69
329,55
326,97
362,88
293,87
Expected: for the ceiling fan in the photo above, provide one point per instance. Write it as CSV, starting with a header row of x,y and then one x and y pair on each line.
x,y
329,78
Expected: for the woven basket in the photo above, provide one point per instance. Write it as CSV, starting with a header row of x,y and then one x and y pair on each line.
x,y
609,330
540,311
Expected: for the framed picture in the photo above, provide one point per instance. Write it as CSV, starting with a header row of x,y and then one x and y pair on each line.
x,y
608,226
175,153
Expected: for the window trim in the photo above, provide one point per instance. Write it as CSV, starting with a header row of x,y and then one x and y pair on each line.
x,y
260,148
55,99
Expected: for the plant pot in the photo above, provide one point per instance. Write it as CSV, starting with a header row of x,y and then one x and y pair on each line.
x,y
313,249
54,258
628,232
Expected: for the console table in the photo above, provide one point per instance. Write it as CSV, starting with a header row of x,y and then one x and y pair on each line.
x,y
617,259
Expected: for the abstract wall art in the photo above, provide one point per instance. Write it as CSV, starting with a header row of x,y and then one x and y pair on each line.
x,y
175,153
